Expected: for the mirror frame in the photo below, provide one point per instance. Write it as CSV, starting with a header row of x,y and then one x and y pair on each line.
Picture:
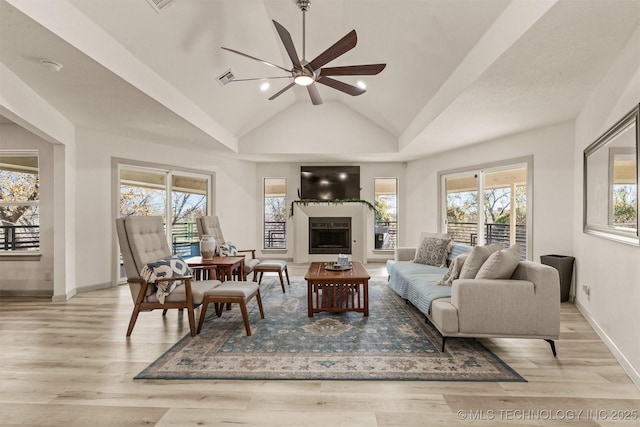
x,y
608,231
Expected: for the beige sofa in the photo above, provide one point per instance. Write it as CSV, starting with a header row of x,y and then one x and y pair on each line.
x,y
525,306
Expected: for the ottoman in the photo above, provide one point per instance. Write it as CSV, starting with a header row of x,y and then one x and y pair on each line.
x,y
272,266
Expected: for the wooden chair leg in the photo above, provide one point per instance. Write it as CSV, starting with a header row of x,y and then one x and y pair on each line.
x,y
259,300
203,313
260,278
164,312
245,316
192,321
132,322
281,281
286,271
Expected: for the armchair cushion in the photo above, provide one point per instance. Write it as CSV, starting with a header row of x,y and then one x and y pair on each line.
x,y
227,249
433,249
154,272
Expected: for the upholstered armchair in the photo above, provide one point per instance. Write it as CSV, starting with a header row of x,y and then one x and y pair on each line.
x,y
210,225
144,241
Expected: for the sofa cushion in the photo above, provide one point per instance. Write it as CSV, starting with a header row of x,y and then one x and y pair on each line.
x,y
500,264
433,249
454,270
476,258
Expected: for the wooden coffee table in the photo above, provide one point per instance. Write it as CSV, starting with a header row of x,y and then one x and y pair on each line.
x,y
337,291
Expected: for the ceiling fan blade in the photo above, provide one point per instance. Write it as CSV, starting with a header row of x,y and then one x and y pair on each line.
x,y
340,47
257,59
282,91
342,87
314,94
285,36
259,78
353,70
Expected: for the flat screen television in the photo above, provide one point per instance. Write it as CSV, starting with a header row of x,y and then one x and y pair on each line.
x,y
330,182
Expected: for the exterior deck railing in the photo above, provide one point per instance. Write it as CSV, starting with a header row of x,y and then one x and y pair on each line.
x,y
275,235
19,237
466,232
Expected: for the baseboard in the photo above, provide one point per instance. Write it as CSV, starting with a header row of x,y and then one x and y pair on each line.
x,y
38,293
620,357
64,298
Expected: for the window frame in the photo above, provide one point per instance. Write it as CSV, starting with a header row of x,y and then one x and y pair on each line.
x,y
36,253
264,198
397,221
482,170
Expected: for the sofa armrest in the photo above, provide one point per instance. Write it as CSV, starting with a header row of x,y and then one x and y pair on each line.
x,y
485,306
404,253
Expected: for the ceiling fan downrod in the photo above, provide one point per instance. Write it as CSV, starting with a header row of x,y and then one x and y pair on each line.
x,y
304,5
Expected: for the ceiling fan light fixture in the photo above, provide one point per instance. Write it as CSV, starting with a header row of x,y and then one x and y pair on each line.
x,y
303,80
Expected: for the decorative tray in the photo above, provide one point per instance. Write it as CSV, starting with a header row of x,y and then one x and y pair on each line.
x,y
337,267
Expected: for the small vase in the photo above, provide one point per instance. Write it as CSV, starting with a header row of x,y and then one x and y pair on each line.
x,y
207,246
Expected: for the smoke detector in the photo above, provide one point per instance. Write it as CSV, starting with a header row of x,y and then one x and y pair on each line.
x,y
51,65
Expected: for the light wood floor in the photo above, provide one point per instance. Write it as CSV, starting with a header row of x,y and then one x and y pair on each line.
x,y
70,364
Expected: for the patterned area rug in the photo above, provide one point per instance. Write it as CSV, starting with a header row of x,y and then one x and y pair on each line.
x,y
393,343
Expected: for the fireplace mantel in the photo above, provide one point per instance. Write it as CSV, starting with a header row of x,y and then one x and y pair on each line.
x,y
301,213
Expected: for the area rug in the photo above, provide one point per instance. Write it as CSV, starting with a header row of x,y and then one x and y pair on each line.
x,y
393,343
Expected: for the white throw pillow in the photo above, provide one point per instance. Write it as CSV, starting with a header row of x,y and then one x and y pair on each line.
x,y
433,249
476,258
501,264
454,270
227,249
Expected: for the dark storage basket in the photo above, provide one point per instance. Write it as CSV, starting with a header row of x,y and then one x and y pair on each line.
x,y
564,265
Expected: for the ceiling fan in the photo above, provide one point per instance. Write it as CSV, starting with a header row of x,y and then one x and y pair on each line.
x,y
307,73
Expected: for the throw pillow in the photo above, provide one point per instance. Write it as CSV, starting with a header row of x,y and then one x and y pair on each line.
x,y
500,264
454,270
173,266
476,258
227,249
433,249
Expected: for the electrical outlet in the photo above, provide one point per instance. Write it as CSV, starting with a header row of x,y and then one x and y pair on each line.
x,y
587,290
47,276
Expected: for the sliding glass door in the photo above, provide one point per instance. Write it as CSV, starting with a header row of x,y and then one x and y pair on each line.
x,y
488,205
178,197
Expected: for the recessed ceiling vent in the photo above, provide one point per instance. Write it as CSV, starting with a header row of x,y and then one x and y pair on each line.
x,y
158,5
225,77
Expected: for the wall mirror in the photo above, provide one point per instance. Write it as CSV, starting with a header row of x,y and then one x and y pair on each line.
x,y
611,182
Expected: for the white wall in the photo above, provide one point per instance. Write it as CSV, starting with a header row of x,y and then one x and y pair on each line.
x,y
30,276
234,196
552,150
610,269
291,171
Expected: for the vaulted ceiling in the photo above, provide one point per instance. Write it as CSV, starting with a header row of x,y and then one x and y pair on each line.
x,y
458,72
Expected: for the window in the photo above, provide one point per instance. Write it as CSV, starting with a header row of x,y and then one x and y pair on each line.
x,y
275,213
177,195
488,205
19,202
386,203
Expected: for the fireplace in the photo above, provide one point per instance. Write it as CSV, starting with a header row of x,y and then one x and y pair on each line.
x,y
329,235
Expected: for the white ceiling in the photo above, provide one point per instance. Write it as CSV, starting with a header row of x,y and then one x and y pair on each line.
x,y
458,71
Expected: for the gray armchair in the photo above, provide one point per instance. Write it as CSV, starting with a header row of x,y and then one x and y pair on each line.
x,y
142,241
210,225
